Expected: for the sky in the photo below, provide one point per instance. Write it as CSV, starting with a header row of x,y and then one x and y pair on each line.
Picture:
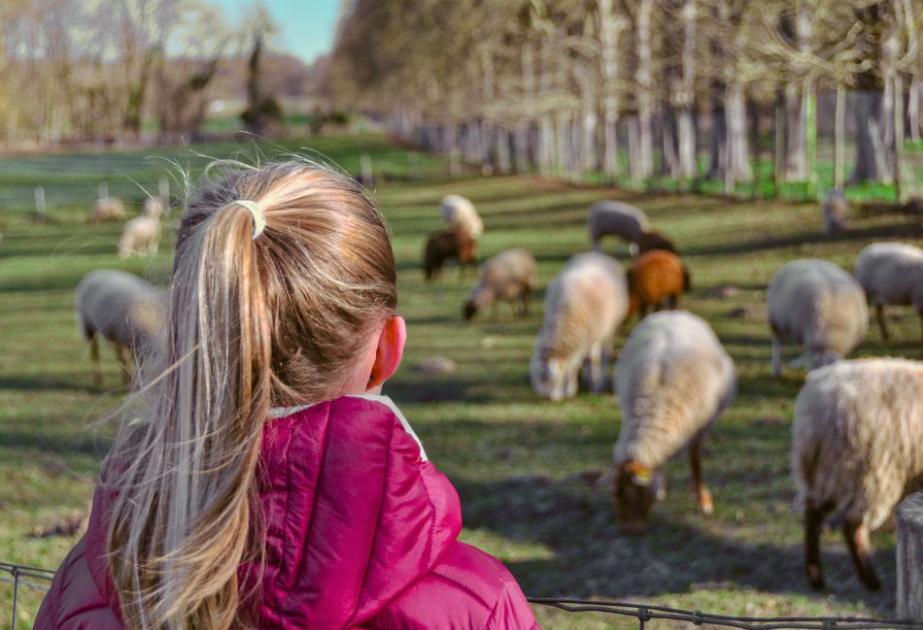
x,y
306,27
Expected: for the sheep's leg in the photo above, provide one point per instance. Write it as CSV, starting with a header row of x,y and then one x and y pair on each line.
x,y
122,357
813,525
95,362
860,548
776,357
660,478
702,494
880,316
526,296
572,382
596,371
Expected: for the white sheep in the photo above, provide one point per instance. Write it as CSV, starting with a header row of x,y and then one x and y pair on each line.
x,y
458,212
141,235
154,207
508,276
616,219
857,450
123,308
584,305
818,306
107,209
891,273
835,209
673,379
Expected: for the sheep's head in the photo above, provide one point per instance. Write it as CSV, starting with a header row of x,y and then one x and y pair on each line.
x,y
547,376
633,494
469,310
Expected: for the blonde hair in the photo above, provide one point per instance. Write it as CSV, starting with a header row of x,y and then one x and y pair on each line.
x,y
255,323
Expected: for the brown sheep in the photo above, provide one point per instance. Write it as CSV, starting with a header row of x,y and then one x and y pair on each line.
x,y
652,240
448,245
653,278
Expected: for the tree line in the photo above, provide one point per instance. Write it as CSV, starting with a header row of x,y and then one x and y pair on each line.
x,y
560,85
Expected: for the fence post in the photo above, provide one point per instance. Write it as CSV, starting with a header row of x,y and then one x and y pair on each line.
x,y
909,518
102,191
366,172
40,209
164,192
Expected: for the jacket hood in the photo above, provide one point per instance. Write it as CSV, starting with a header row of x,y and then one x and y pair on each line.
x,y
353,515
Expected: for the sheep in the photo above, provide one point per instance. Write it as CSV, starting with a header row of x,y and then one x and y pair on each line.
x,y
507,276
835,209
107,209
656,277
673,379
857,450
819,306
651,240
141,235
459,213
618,219
584,306
448,245
123,308
154,207
891,273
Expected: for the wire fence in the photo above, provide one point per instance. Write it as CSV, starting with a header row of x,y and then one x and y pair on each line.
x,y
20,577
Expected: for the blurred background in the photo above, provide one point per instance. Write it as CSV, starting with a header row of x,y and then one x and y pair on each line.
x,y
727,121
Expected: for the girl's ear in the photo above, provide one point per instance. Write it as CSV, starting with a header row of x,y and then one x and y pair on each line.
x,y
390,351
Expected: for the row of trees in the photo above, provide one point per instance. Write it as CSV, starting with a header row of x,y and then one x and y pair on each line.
x,y
560,85
94,69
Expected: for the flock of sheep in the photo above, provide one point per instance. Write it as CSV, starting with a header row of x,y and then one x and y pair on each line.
x,y
857,435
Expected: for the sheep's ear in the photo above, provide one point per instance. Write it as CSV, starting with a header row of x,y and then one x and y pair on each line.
x,y
641,475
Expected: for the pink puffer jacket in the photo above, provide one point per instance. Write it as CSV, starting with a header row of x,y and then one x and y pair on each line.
x,y
361,532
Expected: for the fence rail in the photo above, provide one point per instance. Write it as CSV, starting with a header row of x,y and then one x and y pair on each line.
x,y
644,613
39,579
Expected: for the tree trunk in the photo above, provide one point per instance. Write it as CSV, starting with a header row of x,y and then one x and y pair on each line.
x,y
839,138
795,123
643,168
913,109
718,141
738,152
871,161
685,125
610,27
898,124
502,141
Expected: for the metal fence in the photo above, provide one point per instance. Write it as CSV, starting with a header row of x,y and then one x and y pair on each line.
x,y
39,579
23,577
645,613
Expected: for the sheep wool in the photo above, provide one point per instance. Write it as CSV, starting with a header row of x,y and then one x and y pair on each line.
x,y
584,305
673,378
458,212
507,276
141,235
818,306
616,219
891,273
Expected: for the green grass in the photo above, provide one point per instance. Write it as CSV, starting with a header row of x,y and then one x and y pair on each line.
x,y
515,459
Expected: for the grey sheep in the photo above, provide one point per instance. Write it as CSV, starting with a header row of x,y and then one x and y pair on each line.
x,y
818,306
121,307
508,276
584,306
891,273
673,378
616,219
857,450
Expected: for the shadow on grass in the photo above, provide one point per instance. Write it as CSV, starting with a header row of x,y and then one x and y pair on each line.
x,y
591,556
57,444
47,383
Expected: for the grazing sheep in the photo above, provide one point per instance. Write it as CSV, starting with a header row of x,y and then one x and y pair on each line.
x,y
835,210
123,308
857,450
654,278
819,306
107,209
673,379
141,235
891,273
459,213
617,219
652,240
448,245
584,306
508,276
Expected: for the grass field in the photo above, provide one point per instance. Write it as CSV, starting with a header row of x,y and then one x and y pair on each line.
x,y
516,460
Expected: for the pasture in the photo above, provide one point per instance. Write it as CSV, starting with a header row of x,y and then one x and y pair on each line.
x,y
521,464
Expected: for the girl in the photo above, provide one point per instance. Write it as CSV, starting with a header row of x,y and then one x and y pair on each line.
x,y
262,481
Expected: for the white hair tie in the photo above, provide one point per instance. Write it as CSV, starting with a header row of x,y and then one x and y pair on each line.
x,y
259,219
